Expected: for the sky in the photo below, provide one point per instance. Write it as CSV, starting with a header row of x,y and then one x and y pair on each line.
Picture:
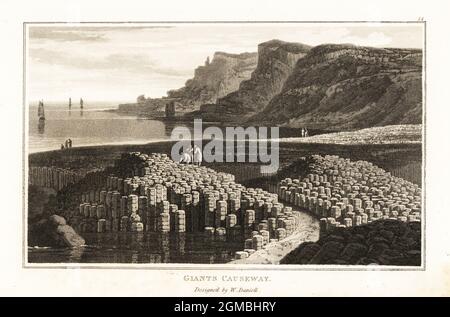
x,y
102,62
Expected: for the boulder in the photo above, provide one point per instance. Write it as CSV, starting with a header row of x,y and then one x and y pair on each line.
x,y
69,237
377,239
388,235
328,252
391,257
302,254
56,220
357,238
353,252
367,261
336,238
403,244
55,232
376,249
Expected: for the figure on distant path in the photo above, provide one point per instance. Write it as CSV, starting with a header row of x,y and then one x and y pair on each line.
x,y
306,132
70,143
66,144
302,132
197,155
62,146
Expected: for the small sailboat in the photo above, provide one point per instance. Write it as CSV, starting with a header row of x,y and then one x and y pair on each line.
x,y
70,103
41,113
81,103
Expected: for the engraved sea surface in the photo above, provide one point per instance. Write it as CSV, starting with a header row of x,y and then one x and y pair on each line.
x,y
90,126
128,247
96,126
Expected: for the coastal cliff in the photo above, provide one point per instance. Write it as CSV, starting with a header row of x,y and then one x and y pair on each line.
x,y
276,60
215,79
347,86
211,81
146,106
327,87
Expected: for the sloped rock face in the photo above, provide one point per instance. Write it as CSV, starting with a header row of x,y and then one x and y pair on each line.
x,y
276,61
346,86
216,79
382,242
54,231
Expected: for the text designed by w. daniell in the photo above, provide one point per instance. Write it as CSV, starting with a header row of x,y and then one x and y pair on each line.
x,y
229,287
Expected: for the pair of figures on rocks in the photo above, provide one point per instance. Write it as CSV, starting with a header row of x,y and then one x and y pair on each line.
x,y
192,155
67,144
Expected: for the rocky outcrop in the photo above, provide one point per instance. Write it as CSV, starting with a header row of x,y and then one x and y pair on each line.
x,y
146,106
390,134
276,60
54,231
382,242
215,79
347,86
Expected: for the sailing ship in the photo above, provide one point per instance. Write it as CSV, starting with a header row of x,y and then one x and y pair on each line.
x,y
41,113
70,103
81,103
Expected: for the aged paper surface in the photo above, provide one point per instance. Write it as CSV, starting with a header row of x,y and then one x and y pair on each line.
x,y
187,152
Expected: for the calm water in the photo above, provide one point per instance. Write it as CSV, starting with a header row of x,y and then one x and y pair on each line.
x,y
140,248
94,126
90,127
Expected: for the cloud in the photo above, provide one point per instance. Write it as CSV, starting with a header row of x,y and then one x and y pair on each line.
x,y
64,35
372,39
152,59
82,34
133,63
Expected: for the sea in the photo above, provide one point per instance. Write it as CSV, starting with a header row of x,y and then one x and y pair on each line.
x,y
96,124
93,125
140,248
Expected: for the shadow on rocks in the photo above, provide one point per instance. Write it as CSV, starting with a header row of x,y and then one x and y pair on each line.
x,y
54,232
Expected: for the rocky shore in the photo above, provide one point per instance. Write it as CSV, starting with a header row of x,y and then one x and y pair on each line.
x,y
382,242
97,158
393,134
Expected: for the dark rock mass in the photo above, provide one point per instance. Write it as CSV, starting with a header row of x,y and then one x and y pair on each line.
x,y
54,231
347,86
382,242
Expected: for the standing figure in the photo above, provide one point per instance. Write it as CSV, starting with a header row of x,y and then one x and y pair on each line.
x,y
197,155
70,143
306,132
302,132
66,144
